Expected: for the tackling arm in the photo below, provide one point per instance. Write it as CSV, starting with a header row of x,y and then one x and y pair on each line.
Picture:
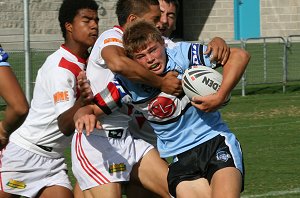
x,y
118,62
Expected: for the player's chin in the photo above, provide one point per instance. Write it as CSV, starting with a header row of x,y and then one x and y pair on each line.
x,y
91,41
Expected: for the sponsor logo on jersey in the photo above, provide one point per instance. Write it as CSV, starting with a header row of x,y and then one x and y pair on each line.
x,y
61,96
109,40
222,155
162,107
117,168
16,184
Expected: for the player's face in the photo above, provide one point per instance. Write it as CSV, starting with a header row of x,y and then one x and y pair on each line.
x,y
168,18
153,16
84,28
153,57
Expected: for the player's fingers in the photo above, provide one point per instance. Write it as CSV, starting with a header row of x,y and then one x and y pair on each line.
x,y
208,49
226,56
78,126
98,125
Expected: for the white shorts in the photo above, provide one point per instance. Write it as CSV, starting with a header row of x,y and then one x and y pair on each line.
x,y
98,160
25,173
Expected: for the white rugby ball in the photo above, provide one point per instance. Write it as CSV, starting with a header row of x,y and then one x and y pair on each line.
x,y
203,81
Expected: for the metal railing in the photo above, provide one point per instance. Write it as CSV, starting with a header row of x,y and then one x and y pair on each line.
x,y
274,60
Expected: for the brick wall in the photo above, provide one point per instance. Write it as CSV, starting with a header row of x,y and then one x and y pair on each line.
x,y
44,26
280,18
202,20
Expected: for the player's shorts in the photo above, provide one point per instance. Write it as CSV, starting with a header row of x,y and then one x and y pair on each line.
x,y
25,173
204,160
98,160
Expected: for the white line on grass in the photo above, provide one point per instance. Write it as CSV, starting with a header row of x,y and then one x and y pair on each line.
x,y
274,193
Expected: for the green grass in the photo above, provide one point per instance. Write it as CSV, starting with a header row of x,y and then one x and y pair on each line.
x,y
267,126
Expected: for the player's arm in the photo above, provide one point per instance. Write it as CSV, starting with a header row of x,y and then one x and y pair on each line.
x,y
219,49
232,73
86,118
17,105
65,124
118,62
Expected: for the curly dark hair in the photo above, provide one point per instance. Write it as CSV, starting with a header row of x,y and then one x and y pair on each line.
x,y
69,9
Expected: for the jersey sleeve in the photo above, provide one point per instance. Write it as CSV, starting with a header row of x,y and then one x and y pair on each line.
x,y
3,58
112,97
197,56
61,85
97,70
182,55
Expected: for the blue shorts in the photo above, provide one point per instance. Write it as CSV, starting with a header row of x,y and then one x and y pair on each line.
x,y
205,159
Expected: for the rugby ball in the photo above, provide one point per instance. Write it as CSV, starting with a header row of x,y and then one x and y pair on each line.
x,y
203,81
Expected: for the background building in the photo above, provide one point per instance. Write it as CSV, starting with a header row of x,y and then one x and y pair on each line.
x,y
198,20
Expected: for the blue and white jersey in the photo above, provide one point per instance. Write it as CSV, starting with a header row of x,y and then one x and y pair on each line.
x,y
179,125
3,58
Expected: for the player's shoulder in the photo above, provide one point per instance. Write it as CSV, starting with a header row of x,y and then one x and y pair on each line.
x,y
58,61
111,35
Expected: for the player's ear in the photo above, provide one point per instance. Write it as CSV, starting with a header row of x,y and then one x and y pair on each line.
x,y
68,27
131,18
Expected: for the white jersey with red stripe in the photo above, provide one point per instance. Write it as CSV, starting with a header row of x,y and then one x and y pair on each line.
x,y
99,75
55,92
104,156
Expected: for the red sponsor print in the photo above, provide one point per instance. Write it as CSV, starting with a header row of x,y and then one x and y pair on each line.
x,y
162,107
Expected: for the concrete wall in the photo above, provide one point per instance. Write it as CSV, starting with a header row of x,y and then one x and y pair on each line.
x,y
205,19
280,17
202,20
44,26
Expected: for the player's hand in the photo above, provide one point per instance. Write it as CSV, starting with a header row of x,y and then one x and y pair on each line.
x,y
3,137
208,103
88,122
171,84
219,49
86,94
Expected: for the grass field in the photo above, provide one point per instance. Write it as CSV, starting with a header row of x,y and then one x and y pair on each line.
x,y
267,126
268,129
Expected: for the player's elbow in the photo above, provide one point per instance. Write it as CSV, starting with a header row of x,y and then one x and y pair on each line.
x,y
21,111
65,127
240,55
244,56
66,131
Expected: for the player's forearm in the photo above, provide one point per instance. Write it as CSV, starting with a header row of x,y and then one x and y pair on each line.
x,y
86,110
65,120
233,70
17,105
14,117
135,72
